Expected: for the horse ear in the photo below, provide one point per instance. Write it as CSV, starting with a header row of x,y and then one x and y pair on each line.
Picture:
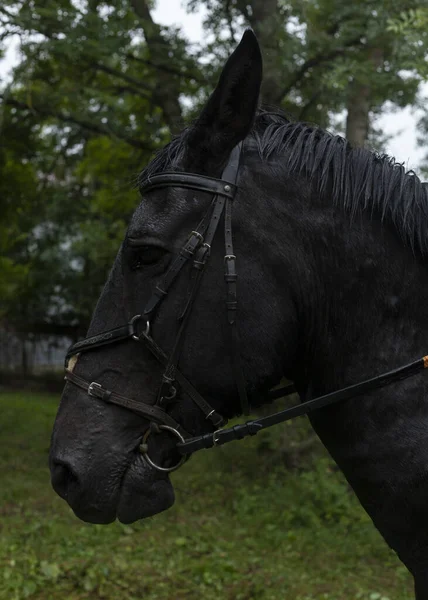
x,y
229,113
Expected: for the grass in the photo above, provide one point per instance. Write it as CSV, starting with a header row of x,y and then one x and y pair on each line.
x,y
241,529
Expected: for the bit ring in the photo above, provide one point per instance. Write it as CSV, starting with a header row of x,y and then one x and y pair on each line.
x,y
143,448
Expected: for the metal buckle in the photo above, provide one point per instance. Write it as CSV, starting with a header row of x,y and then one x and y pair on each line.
x,y
229,257
92,386
143,447
198,235
215,439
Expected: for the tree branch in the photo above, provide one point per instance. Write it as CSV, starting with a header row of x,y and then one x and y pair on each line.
x,y
98,128
229,18
123,89
124,76
317,60
167,92
167,69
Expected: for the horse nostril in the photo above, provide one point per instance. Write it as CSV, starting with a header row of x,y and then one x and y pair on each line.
x,y
62,477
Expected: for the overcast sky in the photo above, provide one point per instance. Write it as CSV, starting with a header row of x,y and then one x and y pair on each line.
x,y
402,124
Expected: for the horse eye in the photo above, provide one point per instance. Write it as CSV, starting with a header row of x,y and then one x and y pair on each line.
x,y
146,255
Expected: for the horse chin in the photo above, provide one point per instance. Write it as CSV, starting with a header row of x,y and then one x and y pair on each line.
x,y
96,517
143,493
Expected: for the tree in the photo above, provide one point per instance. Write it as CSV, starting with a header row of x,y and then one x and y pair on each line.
x,y
325,56
96,92
101,86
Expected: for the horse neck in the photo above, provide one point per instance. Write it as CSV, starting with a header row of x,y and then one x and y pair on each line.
x,y
370,315
368,302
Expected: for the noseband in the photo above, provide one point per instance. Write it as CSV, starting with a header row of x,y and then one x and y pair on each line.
x,y
197,251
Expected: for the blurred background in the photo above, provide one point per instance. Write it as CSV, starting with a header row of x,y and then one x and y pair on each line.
x,y
89,90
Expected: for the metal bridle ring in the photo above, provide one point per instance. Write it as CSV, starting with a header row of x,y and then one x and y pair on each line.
x,y
135,335
144,449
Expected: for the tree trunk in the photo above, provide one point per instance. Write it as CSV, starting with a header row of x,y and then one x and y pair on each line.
x,y
357,121
267,24
359,105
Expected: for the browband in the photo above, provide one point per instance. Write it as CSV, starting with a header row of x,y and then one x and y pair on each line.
x,y
191,181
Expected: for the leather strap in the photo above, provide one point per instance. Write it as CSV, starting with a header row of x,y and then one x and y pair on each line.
x,y
224,190
200,183
199,265
167,389
111,336
186,252
230,277
153,413
174,357
223,436
210,414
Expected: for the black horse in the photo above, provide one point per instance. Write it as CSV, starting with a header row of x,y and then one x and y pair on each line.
x,y
332,287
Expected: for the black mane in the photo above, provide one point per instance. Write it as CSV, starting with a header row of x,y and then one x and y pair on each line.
x,y
359,179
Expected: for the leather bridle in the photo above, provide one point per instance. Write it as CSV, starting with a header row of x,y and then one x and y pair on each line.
x,y
197,251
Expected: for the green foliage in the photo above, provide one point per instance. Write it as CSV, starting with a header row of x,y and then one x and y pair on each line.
x,y
100,86
91,99
407,22
238,530
324,45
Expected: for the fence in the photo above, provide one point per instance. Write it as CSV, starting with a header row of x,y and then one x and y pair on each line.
x,y
31,353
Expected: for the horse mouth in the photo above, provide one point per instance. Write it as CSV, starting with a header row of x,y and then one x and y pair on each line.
x,y
143,493
140,492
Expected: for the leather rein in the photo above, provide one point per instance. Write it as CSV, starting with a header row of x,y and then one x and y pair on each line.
x,y
197,252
